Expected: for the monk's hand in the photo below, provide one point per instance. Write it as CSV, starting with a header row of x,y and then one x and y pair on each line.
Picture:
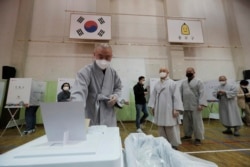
x,y
200,108
175,113
113,100
152,111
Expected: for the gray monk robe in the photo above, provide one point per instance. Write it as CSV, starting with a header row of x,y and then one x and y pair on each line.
x,y
94,86
193,95
164,100
228,107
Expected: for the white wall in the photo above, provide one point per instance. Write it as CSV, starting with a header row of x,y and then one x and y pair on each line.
x,y
8,19
242,12
139,38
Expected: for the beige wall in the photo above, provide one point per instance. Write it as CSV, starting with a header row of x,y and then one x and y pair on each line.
x,y
139,38
8,19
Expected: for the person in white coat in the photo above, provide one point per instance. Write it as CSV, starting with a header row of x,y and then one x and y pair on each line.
x,y
229,113
194,100
99,86
165,103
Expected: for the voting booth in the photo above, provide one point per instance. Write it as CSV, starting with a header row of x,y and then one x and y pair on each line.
x,y
22,92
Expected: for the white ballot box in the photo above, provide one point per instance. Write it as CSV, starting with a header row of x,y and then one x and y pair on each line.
x,y
25,91
101,149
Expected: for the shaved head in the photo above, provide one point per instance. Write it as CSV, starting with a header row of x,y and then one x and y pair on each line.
x,y
222,78
190,70
163,69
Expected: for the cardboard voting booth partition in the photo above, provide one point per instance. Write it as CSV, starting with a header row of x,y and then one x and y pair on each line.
x,y
25,91
22,92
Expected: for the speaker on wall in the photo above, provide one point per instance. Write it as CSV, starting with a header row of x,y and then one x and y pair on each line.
x,y
8,72
246,74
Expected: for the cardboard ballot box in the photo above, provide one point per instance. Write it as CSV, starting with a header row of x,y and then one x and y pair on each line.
x,y
102,148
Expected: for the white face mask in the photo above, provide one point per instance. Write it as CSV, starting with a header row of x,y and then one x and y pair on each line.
x,y
222,83
163,74
66,88
103,64
143,82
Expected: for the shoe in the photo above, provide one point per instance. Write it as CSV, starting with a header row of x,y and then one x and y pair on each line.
x,y
197,142
142,126
26,132
236,133
175,147
139,131
186,138
227,131
245,122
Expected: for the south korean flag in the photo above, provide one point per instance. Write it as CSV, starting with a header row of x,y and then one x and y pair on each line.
x,y
90,27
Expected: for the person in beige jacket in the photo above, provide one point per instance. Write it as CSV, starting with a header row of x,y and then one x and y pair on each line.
x,y
243,97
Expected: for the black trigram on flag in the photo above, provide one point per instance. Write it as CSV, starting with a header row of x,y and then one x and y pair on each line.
x,y
80,19
101,32
101,20
79,32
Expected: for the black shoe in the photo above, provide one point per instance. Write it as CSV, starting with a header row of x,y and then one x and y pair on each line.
x,y
197,142
236,133
186,138
175,147
244,120
228,131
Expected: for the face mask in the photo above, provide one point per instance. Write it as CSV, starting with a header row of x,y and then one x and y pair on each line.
x,y
244,86
66,88
189,75
143,82
163,74
222,83
103,64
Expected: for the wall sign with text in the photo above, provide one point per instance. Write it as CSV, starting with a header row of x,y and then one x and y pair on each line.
x,y
185,31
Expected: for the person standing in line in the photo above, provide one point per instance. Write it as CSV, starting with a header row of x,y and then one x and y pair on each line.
x,y
30,119
228,109
99,86
165,103
243,99
64,95
140,103
30,113
194,100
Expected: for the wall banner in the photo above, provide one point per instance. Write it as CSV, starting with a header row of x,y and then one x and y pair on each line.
x,y
185,31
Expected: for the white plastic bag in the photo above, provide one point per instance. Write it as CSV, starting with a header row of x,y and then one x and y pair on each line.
x,y
147,151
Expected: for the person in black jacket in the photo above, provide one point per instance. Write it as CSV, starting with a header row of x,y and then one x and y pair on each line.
x,y
140,103
64,95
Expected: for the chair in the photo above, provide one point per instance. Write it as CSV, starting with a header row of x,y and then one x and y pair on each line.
x,y
150,118
123,126
212,113
119,105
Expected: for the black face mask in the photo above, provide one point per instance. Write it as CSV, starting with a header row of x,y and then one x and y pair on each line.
x,y
189,75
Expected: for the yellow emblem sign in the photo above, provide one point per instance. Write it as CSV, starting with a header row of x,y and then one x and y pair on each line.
x,y
185,29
